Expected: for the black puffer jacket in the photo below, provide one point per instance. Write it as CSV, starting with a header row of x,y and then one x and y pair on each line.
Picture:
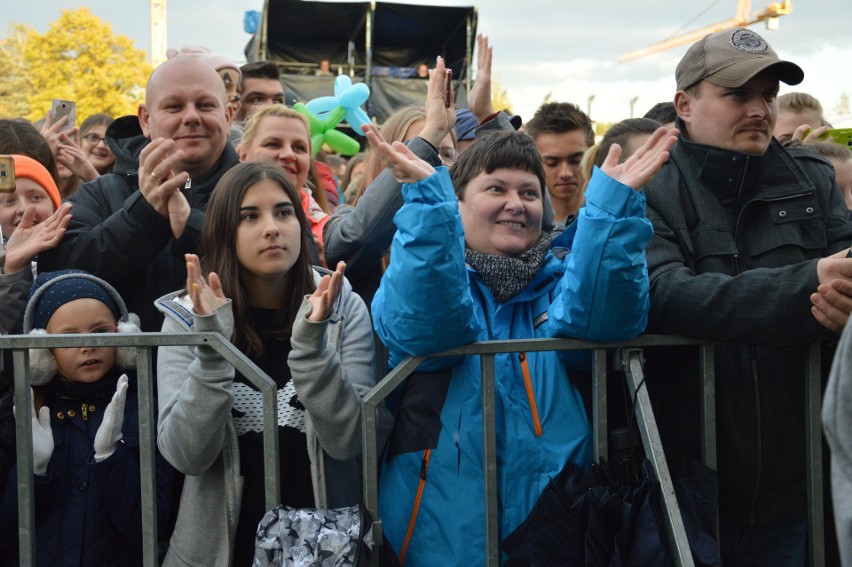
x,y
733,259
116,235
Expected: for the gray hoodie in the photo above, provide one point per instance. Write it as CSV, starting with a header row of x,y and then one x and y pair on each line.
x,y
332,364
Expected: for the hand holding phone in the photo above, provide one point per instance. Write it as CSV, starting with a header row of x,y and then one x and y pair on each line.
x,y
842,136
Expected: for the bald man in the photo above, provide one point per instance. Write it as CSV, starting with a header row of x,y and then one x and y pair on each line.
x,y
132,227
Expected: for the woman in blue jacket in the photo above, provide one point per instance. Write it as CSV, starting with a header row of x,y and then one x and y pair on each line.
x,y
469,262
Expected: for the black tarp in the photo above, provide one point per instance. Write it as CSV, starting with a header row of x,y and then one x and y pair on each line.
x,y
300,34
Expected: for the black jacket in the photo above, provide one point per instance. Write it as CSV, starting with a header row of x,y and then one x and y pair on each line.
x,y
116,235
733,260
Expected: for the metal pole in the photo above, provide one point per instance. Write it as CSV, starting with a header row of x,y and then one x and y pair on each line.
x,y
147,459
24,435
489,456
813,450
599,401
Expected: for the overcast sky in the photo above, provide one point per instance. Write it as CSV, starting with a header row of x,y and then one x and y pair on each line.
x,y
565,47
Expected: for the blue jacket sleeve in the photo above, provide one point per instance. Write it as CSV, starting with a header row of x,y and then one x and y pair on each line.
x,y
423,305
604,292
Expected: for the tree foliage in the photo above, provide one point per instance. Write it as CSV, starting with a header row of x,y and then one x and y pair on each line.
x,y
499,96
13,84
79,58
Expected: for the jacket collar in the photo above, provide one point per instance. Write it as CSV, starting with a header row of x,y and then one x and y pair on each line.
x,y
773,175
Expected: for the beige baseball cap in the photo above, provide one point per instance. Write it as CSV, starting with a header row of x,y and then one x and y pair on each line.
x,y
730,58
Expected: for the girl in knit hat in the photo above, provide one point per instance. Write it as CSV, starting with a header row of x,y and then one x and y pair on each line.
x,y
85,431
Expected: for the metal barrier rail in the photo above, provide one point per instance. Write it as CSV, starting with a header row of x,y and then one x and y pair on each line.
x,y
147,420
629,360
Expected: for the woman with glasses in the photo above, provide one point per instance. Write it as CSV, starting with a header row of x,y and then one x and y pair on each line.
x,y
361,235
94,144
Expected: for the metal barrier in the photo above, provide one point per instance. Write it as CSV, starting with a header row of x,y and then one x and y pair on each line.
x,y
629,359
147,421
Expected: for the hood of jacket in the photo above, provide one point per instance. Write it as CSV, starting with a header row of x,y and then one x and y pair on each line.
x,y
125,139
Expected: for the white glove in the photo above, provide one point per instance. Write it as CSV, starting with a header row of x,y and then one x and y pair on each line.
x,y
42,439
109,433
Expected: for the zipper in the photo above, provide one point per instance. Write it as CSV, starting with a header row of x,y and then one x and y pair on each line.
x,y
84,411
758,436
758,415
424,466
525,369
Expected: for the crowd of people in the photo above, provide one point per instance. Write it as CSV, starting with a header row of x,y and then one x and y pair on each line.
x,y
720,215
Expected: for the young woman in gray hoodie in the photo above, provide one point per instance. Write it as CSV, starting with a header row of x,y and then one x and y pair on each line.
x,y
305,328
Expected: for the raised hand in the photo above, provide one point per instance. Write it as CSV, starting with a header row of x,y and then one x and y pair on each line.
x,y
32,236
639,168
400,161
109,433
206,294
42,438
158,180
75,159
439,118
479,100
328,290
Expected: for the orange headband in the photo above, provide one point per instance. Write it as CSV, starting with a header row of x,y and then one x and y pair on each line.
x,y
31,169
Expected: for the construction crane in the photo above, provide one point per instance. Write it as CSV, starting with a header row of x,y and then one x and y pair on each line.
x,y
742,19
158,32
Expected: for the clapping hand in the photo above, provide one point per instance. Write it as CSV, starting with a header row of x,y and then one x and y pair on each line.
x,y
400,161
639,168
328,290
75,159
109,433
42,438
206,293
31,237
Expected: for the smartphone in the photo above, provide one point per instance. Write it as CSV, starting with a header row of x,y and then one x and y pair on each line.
x,y
842,136
7,174
448,87
60,108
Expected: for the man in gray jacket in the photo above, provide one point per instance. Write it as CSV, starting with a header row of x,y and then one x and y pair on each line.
x,y
745,253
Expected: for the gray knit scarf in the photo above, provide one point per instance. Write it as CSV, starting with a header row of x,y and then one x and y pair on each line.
x,y
507,276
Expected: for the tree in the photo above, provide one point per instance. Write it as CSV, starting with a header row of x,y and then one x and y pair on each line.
x,y
80,59
499,96
13,84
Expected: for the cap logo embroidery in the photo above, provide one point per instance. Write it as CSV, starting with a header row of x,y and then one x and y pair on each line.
x,y
747,40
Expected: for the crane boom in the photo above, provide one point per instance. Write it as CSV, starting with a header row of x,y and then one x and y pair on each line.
x,y
158,32
742,19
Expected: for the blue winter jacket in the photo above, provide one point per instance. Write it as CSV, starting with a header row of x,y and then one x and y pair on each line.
x,y
87,513
593,285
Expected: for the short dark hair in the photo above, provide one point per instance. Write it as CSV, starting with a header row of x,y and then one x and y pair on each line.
x,y
662,112
260,70
17,136
559,117
496,150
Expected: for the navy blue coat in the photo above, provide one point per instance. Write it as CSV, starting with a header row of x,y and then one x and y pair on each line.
x,y
87,513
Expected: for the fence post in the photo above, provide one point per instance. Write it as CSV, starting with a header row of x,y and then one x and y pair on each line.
x,y
631,360
147,458
489,457
24,431
813,450
599,404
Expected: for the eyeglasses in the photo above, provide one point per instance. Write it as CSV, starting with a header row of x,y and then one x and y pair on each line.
x,y
448,155
94,139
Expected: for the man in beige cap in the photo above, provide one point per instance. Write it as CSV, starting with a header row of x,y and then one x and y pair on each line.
x,y
745,253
